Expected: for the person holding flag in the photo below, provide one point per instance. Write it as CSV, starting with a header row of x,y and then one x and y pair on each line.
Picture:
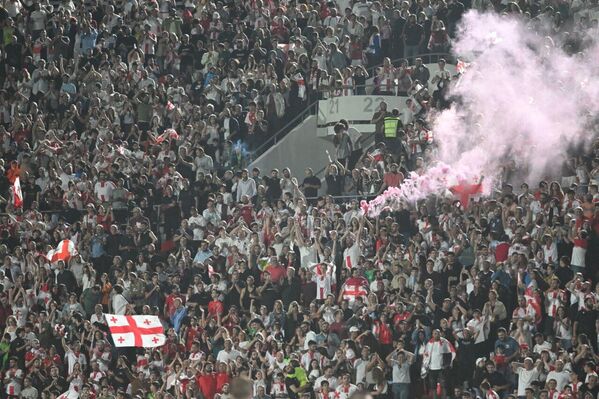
x,y
354,287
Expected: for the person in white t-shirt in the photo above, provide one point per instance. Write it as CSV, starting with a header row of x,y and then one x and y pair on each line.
x,y
346,389
400,360
352,251
560,376
527,374
228,353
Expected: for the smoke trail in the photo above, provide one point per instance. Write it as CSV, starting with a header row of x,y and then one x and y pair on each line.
x,y
522,99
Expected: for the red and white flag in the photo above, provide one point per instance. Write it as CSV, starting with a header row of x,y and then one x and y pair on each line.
x,y
464,190
461,66
140,331
167,134
64,251
70,394
351,292
17,193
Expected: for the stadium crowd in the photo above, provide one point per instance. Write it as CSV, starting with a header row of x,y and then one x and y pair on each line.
x,y
128,122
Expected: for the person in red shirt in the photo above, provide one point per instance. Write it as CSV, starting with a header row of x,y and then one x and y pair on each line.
x,y
215,306
206,381
276,270
222,376
247,212
392,178
169,302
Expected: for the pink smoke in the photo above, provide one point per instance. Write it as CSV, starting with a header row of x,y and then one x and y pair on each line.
x,y
522,100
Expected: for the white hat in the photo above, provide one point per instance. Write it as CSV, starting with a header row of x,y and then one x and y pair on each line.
x,y
354,329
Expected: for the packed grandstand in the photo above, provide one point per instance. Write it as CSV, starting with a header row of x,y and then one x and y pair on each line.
x,y
146,256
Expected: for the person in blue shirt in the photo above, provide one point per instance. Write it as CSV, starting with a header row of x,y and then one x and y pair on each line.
x,y
178,315
88,39
68,86
203,252
509,345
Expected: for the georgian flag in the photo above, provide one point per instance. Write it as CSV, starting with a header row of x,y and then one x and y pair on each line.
x,y
351,292
17,193
464,190
138,331
64,251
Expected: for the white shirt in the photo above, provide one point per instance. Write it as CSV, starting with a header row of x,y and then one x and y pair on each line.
x,y
332,383
72,358
246,187
119,304
351,256
525,378
478,327
345,392
561,378
224,356
103,190
199,222
39,19
434,351
550,253
401,372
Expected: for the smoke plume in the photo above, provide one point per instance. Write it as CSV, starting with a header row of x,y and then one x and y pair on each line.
x,y
522,99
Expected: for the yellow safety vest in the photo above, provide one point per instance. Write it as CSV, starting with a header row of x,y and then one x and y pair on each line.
x,y
391,123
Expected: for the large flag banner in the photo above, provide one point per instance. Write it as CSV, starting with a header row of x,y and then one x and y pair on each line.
x,y
140,331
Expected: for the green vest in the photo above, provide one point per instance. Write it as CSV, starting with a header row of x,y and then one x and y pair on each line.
x,y
391,123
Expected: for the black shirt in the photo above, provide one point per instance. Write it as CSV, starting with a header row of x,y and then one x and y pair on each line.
x,y
291,291
335,184
310,191
413,33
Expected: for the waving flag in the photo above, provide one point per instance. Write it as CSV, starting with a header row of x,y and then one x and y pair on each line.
x,y
140,331
351,292
464,190
17,193
64,251
167,134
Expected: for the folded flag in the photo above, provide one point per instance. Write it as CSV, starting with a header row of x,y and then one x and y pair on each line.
x,y
140,331
64,251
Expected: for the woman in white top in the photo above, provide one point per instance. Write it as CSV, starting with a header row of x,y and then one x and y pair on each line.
x,y
118,301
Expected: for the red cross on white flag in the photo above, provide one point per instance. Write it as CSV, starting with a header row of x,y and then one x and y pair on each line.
x,y
352,291
140,331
